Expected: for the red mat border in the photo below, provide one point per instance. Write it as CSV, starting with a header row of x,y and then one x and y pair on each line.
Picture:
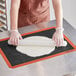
x,y
10,66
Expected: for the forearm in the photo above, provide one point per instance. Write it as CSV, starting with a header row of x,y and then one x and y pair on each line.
x,y
14,18
57,5
14,15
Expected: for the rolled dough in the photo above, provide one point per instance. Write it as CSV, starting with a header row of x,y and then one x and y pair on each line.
x,y
36,46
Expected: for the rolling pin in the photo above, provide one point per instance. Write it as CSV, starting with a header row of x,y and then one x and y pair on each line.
x,y
42,43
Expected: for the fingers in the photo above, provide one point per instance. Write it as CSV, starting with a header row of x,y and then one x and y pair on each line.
x,y
58,41
61,42
11,40
20,37
14,41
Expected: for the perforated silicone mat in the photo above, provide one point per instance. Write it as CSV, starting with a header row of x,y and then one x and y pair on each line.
x,y
14,59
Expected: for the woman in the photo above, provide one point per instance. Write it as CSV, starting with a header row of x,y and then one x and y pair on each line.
x,y
27,12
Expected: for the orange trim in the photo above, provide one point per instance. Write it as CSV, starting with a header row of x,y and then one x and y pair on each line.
x,y
5,58
37,31
4,39
70,42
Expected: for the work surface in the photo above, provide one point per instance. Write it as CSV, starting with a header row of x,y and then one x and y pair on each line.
x,y
56,66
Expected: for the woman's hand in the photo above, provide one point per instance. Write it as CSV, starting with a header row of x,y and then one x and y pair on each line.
x,y
15,37
58,37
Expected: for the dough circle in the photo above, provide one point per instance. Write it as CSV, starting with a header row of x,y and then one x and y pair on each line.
x,y
36,46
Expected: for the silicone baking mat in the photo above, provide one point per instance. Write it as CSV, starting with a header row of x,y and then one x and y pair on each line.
x,y
15,59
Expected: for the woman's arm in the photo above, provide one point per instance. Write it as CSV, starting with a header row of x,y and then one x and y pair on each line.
x,y
15,35
15,4
58,35
57,5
